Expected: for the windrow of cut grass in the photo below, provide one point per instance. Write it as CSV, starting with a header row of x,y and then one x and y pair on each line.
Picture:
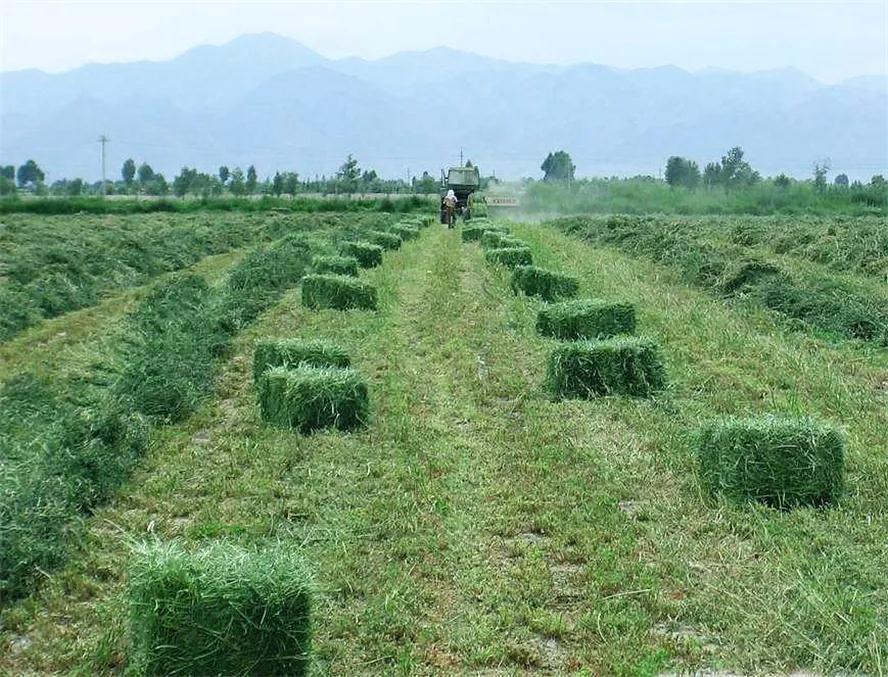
x,y
808,296
159,368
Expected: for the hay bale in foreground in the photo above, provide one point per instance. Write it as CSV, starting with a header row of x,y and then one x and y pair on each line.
x,y
292,352
404,231
220,610
369,255
339,292
509,256
337,265
384,240
310,398
474,232
783,462
542,283
617,366
585,319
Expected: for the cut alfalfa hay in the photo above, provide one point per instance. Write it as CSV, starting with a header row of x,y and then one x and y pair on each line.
x,y
339,292
585,319
220,610
309,398
369,255
405,232
783,462
474,232
384,240
494,239
292,352
544,284
337,265
509,256
616,366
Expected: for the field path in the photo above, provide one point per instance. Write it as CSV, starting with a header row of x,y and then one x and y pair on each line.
x,y
476,526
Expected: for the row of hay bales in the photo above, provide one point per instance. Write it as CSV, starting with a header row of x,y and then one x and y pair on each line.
x,y
780,461
224,609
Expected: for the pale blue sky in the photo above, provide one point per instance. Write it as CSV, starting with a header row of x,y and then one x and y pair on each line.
x,y
829,40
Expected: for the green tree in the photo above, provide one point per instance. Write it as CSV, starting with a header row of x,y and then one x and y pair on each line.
x,y
821,169
224,173
236,184
182,183
7,186
425,185
251,180
558,166
841,181
8,172
878,181
128,172
30,174
782,181
682,172
277,184
348,175
74,187
291,183
145,173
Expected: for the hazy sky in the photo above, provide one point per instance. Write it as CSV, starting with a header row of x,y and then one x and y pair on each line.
x,y
829,40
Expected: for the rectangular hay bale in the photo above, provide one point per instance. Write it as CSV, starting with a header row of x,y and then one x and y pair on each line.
x,y
220,610
339,292
585,319
623,365
384,240
545,284
294,351
369,255
404,231
509,256
782,462
493,239
337,265
310,398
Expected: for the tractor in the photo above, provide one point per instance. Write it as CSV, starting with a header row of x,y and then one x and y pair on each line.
x,y
463,181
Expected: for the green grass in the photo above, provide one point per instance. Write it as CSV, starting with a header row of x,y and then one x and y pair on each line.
x,y
475,526
219,610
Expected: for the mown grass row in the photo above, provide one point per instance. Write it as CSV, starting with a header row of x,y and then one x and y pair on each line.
x,y
784,462
815,299
227,610
93,426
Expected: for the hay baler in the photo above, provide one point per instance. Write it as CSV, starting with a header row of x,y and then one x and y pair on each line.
x,y
463,181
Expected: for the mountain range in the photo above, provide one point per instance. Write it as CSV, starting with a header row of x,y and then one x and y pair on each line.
x,y
267,100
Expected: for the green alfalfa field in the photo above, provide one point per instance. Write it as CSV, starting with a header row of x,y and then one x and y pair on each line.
x,y
477,524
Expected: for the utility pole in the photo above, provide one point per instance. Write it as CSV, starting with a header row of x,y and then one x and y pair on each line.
x,y
103,140
460,157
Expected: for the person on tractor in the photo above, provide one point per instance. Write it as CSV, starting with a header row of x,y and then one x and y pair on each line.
x,y
450,205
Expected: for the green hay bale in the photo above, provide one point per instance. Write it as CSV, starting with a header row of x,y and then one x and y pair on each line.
x,y
369,255
339,292
542,283
494,239
221,610
384,240
474,232
782,462
337,265
625,365
509,256
292,352
309,398
585,319
405,232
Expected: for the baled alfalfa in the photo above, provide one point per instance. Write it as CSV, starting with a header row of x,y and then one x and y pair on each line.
x,y
473,232
586,319
291,352
310,398
509,256
219,610
384,240
337,265
616,366
369,255
494,239
339,292
545,284
404,231
780,461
